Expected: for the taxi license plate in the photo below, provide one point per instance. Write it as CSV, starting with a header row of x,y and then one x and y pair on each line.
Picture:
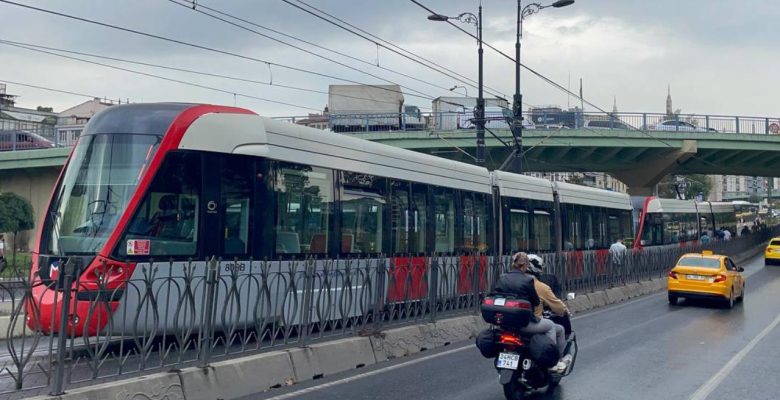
x,y
508,361
695,277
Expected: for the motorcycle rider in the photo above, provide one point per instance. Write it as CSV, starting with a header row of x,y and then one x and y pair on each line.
x,y
521,283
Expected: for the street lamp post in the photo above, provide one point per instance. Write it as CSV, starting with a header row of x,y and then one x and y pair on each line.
x,y
517,103
465,89
479,110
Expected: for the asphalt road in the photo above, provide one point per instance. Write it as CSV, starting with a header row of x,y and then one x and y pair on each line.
x,y
642,349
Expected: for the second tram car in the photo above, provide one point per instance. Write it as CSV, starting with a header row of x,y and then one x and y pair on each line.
x,y
669,221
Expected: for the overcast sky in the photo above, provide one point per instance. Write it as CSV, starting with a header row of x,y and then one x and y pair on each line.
x,y
720,57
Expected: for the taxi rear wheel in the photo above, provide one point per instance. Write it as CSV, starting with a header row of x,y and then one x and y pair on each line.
x,y
742,293
730,301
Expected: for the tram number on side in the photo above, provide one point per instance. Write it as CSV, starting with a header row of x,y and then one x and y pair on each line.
x,y
235,267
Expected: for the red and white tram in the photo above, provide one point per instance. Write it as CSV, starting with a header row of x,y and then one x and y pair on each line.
x,y
175,183
669,221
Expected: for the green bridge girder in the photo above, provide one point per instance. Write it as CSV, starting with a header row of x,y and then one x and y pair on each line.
x,y
614,151
23,159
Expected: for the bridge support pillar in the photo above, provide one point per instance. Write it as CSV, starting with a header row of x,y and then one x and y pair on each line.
x,y
641,181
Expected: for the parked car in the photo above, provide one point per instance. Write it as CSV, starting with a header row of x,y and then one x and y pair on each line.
x,y
23,140
606,124
677,125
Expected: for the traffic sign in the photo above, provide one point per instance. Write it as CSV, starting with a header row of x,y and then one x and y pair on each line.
x,y
774,128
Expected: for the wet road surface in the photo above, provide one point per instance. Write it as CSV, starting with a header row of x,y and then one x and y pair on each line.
x,y
642,349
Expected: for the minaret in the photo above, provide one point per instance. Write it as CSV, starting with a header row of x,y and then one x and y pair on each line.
x,y
614,105
669,111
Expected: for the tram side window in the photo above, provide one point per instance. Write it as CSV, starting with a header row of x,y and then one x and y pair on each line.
x,y
361,222
166,223
672,229
236,189
653,229
363,208
481,222
572,239
399,216
626,230
542,230
304,205
588,227
419,219
613,227
518,229
444,217
468,231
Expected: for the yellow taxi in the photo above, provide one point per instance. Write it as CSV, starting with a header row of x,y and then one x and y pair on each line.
x,y
772,252
706,275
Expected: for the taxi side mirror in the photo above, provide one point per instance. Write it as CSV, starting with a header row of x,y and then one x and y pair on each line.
x,y
740,269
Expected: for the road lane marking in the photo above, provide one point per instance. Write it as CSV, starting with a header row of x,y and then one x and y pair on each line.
x,y
367,374
617,306
704,391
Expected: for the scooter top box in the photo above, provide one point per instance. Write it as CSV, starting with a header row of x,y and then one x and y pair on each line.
x,y
506,311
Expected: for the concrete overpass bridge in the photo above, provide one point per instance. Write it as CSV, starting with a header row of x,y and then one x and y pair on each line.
x,y
638,158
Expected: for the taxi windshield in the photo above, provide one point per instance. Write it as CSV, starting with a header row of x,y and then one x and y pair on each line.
x,y
698,261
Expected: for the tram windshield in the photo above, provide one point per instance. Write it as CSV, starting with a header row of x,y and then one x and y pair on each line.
x,y
96,188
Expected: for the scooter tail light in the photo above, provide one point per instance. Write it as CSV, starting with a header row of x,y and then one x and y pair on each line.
x,y
509,339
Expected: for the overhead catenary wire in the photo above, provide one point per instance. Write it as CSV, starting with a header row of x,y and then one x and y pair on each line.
x,y
310,43
555,84
202,47
165,78
50,89
41,48
194,7
318,13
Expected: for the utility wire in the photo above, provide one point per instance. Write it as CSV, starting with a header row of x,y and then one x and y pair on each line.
x,y
379,42
36,47
193,6
201,47
50,89
321,47
234,93
553,83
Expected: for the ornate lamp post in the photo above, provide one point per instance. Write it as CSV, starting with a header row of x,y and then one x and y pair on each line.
x,y
479,110
517,104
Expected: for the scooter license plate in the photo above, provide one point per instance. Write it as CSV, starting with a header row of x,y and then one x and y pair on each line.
x,y
508,361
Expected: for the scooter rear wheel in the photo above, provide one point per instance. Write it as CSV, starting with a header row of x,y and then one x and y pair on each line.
x,y
514,391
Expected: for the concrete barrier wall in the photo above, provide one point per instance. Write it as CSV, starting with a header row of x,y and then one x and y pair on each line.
x,y
239,377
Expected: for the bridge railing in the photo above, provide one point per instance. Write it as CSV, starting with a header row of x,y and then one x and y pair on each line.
x,y
169,315
27,135
535,119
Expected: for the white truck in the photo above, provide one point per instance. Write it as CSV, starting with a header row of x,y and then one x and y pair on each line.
x,y
450,113
361,108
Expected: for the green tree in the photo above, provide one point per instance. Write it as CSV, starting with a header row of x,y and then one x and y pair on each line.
x,y
16,215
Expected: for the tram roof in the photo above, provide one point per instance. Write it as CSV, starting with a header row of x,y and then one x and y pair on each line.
x,y
657,205
590,196
523,186
265,137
